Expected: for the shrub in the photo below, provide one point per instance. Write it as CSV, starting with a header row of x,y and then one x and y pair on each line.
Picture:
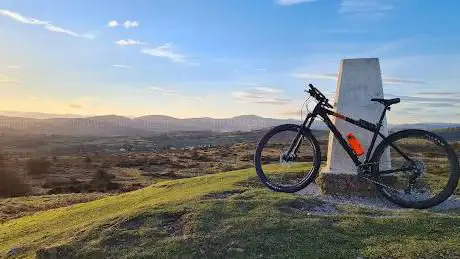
x,y
88,160
102,181
37,166
102,175
13,185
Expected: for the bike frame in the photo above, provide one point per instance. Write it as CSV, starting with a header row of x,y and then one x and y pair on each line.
x,y
324,113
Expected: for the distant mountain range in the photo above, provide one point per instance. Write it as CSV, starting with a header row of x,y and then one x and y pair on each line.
x,y
425,126
114,125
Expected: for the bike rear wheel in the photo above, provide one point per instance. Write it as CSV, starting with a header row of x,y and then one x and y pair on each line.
x,y
426,169
287,172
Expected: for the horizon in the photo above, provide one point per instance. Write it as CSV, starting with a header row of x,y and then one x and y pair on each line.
x,y
47,116
223,59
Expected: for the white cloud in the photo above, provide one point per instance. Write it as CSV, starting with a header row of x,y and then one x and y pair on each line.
x,y
268,89
249,83
113,24
165,91
6,79
261,69
131,24
167,51
120,66
47,25
385,79
365,6
396,80
126,24
129,42
316,76
192,97
157,88
19,18
260,95
293,2
54,28
13,67
173,92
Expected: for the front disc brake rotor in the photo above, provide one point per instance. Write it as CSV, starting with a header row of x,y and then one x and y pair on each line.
x,y
285,159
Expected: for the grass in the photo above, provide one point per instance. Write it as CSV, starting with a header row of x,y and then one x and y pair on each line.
x,y
12,208
217,216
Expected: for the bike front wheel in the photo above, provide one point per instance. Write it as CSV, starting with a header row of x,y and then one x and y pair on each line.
x,y
282,170
424,169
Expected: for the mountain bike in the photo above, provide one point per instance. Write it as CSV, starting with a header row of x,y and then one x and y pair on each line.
x,y
423,171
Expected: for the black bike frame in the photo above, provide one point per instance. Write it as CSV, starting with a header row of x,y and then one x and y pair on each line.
x,y
324,113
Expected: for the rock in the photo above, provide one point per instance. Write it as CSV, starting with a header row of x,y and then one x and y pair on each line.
x,y
235,249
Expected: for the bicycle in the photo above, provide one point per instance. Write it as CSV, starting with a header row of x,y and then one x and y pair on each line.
x,y
421,179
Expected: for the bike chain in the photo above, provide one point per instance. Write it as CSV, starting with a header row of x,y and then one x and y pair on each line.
x,y
362,174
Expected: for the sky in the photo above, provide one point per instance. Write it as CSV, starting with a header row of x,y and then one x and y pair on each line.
x,y
223,58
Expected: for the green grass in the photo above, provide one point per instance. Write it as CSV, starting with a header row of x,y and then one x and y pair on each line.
x,y
11,208
216,216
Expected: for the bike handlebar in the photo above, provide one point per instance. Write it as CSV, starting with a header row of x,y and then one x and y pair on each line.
x,y
314,92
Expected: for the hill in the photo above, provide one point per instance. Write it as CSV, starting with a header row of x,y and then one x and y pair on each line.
x,y
227,215
425,126
114,125
452,134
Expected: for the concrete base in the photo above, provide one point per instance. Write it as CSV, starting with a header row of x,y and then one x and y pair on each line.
x,y
336,183
344,184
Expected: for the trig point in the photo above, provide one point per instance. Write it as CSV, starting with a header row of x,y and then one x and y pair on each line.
x,y
359,80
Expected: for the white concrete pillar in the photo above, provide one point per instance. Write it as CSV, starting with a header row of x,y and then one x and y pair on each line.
x,y
359,80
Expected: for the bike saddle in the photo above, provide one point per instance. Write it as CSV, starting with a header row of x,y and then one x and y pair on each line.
x,y
386,102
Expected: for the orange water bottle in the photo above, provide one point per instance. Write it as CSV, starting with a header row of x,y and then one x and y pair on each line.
x,y
355,145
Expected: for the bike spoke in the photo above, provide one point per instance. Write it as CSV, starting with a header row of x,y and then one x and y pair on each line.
x,y
419,170
287,158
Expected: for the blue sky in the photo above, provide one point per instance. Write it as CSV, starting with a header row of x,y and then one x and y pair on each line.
x,y
223,58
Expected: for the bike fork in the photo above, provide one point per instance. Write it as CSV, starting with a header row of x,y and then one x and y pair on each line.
x,y
299,138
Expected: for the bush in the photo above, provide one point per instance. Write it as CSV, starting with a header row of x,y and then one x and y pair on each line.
x,y
102,175
37,166
102,181
13,185
88,160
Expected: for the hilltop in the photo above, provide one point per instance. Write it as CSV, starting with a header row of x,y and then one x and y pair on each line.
x,y
114,125
144,126
228,215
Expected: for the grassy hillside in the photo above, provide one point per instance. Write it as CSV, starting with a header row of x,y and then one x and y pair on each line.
x,y
11,208
227,215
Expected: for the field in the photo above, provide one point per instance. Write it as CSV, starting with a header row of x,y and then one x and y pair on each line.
x,y
195,201
206,217
128,163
